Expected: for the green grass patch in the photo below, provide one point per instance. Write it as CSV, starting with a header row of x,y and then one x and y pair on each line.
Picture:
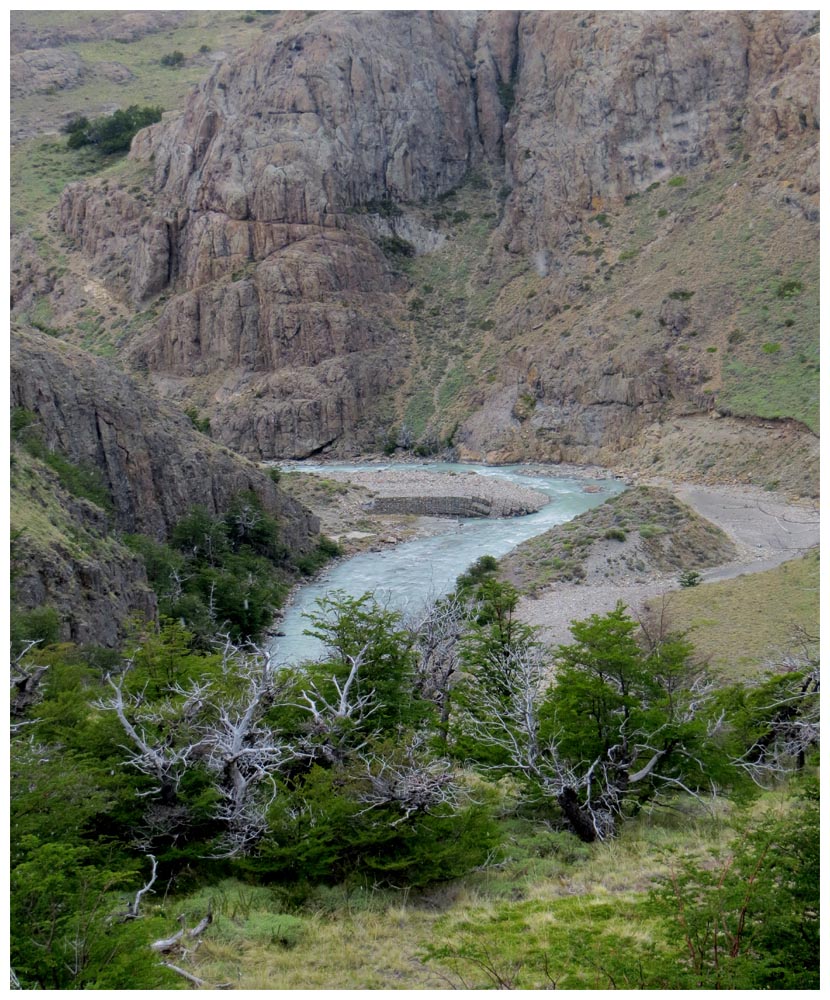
x,y
740,625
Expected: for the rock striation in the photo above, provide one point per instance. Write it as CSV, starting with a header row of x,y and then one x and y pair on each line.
x,y
155,465
283,313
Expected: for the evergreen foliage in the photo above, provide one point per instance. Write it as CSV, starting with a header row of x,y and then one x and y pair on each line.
x,y
219,574
340,772
111,133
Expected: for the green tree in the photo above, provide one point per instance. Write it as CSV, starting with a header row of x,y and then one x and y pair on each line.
x,y
112,133
367,649
65,933
750,920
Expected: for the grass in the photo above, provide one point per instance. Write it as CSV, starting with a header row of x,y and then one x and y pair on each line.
x,y
456,328
41,167
740,625
552,907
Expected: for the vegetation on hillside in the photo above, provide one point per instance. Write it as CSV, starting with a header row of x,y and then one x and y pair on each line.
x,y
111,133
644,529
403,758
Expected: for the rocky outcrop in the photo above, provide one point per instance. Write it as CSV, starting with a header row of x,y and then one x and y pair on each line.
x,y
88,26
41,70
282,313
154,464
65,556
608,103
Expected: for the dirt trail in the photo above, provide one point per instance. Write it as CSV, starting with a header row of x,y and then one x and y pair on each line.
x,y
765,529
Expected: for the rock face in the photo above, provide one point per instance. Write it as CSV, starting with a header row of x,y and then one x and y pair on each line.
x,y
154,464
612,102
281,309
65,556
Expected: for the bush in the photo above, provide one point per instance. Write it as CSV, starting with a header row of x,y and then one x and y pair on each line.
x,y
201,424
690,578
616,534
40,625
112,133
789,289
396,246
172,59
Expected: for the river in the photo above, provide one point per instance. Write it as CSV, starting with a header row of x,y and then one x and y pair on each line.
x,y
423,569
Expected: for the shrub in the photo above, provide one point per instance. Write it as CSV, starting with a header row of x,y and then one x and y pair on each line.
x,y
789,289
172,59
40,625
199,423
772,348
112,133
396,246
616,534
690,578
680,295
507,95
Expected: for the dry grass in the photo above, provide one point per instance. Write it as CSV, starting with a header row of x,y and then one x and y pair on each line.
x,y
534,912
740,625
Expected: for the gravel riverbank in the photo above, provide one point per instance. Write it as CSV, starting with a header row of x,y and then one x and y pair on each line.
x,y
506,499
765,529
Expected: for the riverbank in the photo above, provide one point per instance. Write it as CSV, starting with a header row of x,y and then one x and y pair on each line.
x,y
765,529
343,499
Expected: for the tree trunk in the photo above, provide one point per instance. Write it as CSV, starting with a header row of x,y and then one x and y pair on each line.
x,y
582,826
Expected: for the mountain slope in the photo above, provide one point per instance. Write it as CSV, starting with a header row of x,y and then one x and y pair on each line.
x,y
536,235
127,462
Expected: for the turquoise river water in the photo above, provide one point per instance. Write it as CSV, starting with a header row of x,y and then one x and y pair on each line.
x,y
410,574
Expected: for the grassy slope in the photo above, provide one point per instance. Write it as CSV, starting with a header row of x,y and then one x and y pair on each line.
x,y
456,304
742,624
552,897
41,167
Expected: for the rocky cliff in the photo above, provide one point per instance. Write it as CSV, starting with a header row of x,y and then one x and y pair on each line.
x,y
271,240
153,465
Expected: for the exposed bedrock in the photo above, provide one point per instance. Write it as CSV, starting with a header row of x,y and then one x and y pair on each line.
x,y
153,463
252,227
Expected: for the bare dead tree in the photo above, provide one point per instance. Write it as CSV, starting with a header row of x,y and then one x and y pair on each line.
x,y
224,733
792,726
411,781
25,680
333,721
151,749
242,750
134,908
438,629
